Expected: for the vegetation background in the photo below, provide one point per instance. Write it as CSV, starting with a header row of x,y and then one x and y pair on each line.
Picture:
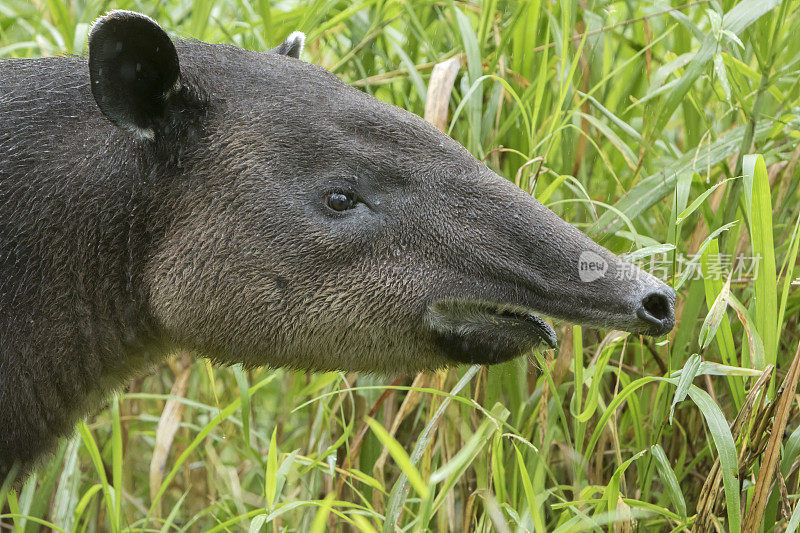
x,y
666,131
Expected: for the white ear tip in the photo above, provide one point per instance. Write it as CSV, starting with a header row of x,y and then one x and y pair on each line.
x,y
298,40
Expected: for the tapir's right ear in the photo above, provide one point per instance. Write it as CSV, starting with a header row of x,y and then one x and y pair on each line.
x,y
133,70
292,46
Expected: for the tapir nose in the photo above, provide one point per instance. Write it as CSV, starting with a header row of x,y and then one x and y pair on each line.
x,y
657,310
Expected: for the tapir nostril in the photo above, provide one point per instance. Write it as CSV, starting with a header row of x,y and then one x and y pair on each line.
x,y
657,305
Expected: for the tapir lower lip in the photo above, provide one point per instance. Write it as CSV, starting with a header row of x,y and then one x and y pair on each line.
x,y
547,334
482,332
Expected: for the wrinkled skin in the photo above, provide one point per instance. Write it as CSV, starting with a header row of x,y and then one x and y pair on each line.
x,y
205,223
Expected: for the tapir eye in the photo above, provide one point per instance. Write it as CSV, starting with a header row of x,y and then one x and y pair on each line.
x,y
340,201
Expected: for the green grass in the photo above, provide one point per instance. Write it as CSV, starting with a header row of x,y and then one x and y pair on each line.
x,y
637,113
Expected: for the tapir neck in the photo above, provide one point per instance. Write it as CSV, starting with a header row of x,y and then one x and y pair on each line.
x,y
73,321
73,315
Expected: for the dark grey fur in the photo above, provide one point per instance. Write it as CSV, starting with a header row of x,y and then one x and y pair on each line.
x,y
214,235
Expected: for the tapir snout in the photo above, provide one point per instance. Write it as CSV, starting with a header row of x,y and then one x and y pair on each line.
x,y
520,260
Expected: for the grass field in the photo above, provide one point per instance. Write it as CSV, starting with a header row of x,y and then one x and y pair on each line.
x,y
669,132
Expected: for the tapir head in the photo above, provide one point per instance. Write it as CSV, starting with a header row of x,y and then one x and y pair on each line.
x,y
314,226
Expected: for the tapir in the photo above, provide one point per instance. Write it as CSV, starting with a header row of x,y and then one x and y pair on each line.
x,y
253,208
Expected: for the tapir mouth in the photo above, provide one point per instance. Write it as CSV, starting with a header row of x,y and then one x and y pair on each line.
x,y
480,332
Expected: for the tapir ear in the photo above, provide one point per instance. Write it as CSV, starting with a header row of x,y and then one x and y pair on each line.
x,y
292,46
133,70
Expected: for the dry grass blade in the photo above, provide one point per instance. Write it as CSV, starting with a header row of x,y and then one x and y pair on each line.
x,y
168,425
410,402
359,438
440,87
624,519
709,503
773,451
786,503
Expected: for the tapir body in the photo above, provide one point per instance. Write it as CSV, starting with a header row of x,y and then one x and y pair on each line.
x,y
253,208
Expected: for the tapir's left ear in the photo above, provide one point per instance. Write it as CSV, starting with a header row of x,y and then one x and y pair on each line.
x,y
292,46
133,70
